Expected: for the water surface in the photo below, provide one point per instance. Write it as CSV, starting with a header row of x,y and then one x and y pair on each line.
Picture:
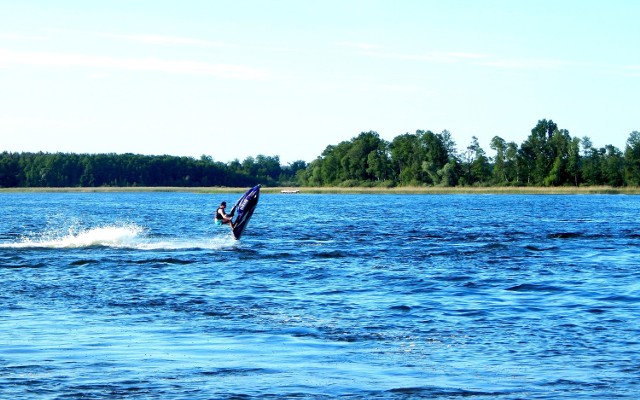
x,y
106,295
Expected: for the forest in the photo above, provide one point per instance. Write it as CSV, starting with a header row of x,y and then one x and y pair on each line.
x,y
548,157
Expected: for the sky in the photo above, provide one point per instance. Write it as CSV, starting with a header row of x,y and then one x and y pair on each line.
x,y
287,78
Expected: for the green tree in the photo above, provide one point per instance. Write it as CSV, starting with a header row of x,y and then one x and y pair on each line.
x,y
632,159
476,164
407,156
511,165
367,158
362,159
435,156
574,161
536,152
452,170
613,166
499,145
267,169
449,144
449,174
9,170
559,145
293,173
591,163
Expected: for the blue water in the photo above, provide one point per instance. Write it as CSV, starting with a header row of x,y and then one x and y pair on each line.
x,y
112,295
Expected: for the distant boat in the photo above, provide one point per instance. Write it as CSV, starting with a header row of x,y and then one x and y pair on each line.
x,y
289,191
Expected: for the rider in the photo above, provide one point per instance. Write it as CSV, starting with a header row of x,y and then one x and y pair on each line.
x,y
222,217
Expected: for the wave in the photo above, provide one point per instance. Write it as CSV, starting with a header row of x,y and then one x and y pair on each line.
x,y
123,236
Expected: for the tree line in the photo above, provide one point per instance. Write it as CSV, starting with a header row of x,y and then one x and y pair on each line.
x,y
548,157
131,170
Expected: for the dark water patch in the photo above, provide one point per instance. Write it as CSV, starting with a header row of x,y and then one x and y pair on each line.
x,y
278,256
564,382
482,284
332,292
530,287
331,254
538,248
564,235
586,236
494,246
217,313
140,303
402,308
315,238
439,392
20,371
246,253
164,260
235,371
621,299
516,235
192,301
80,263
420,233
115,390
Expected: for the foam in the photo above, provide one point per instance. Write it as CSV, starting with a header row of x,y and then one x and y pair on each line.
x,y
131,236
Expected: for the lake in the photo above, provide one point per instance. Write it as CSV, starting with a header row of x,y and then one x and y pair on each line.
x,y
112,295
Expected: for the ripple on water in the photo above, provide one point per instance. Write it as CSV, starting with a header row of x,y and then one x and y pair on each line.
x,y
464,298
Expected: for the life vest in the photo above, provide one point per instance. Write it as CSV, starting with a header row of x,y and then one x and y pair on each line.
x,y
219,214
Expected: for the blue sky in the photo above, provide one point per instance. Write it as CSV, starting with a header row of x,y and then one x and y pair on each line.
x,y
233,79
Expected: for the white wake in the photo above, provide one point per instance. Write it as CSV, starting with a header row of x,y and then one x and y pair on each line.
x,y
126,236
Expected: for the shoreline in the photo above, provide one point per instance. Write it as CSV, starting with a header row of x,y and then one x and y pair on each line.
x,y
340,190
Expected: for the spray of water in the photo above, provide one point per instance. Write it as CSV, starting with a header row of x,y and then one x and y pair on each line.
x,y
126,236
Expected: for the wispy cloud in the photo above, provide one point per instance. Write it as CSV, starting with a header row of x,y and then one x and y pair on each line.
x,y
556,65
163,40
635,70
506,63
145,38
359,46
65,60
19,36
440,57
520,63
374,50
395,88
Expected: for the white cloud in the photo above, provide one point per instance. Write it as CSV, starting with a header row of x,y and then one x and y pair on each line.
x,y
17,36
488,60
164,40
394,88
634,69
440,57
51,59
525,63
360,46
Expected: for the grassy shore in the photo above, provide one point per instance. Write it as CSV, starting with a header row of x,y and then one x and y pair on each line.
x,y
351,190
